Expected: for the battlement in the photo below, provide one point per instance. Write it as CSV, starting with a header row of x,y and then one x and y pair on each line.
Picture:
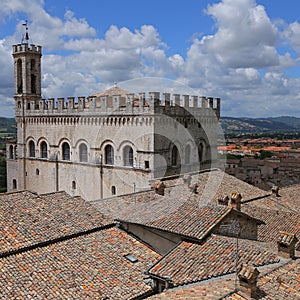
x,y
21,48
143,103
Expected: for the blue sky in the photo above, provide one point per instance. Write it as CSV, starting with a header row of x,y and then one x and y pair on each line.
x,y
246,52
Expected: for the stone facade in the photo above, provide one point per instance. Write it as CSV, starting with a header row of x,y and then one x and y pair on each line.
x,y
106,144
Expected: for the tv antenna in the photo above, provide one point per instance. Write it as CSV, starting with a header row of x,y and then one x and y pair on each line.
x,y
25,37
233,228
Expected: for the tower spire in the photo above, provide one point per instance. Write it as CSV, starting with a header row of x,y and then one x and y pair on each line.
x,y
25,37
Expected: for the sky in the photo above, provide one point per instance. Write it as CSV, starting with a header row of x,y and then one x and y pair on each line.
x,y
244,51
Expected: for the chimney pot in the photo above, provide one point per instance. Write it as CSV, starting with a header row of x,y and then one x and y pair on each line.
x,y
224,200
235,201
194,188
286,244
248,276
187,179
275,190
159,188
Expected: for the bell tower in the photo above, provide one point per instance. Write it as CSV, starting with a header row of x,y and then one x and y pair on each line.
x,y
27,74
27,94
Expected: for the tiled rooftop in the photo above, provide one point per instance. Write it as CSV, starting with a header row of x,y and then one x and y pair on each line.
x,y
27,219
281,283
213,289
275,222
190,262
148,206
288,200
190,221
92,266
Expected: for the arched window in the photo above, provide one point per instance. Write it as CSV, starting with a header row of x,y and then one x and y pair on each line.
x,y
31,149
113,190
20,77
109,155
11,152
187,154
83,153
44,150
65,151
14,182
128,156
174,156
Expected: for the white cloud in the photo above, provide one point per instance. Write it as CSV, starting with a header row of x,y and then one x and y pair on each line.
x,y
292,34
239,62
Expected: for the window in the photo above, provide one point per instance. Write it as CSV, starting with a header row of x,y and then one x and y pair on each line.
x,y
131,258
128,156
174,156
19,75
74,185
200,152
65,151
37,172
32,64
83,153
31,149
14,182
11,152
33,84
147,164
109,155
187,154
44,149
113,190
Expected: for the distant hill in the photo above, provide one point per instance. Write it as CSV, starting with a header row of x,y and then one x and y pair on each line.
x,y
229,125
7,125
260,125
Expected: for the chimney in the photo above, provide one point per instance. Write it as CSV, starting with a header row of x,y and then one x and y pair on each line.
x,y
194,188
275,190
187,179
235,201
159,188
223,201
287,244
248,280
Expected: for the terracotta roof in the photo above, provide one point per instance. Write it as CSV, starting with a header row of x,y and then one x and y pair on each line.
x,y
92,266
212,289
190,262
148,206
278,282
190,221
193,222
115,90
27,218
281,283
275,222
288,200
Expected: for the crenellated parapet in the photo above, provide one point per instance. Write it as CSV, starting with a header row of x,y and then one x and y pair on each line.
x,y
21,48
129,104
